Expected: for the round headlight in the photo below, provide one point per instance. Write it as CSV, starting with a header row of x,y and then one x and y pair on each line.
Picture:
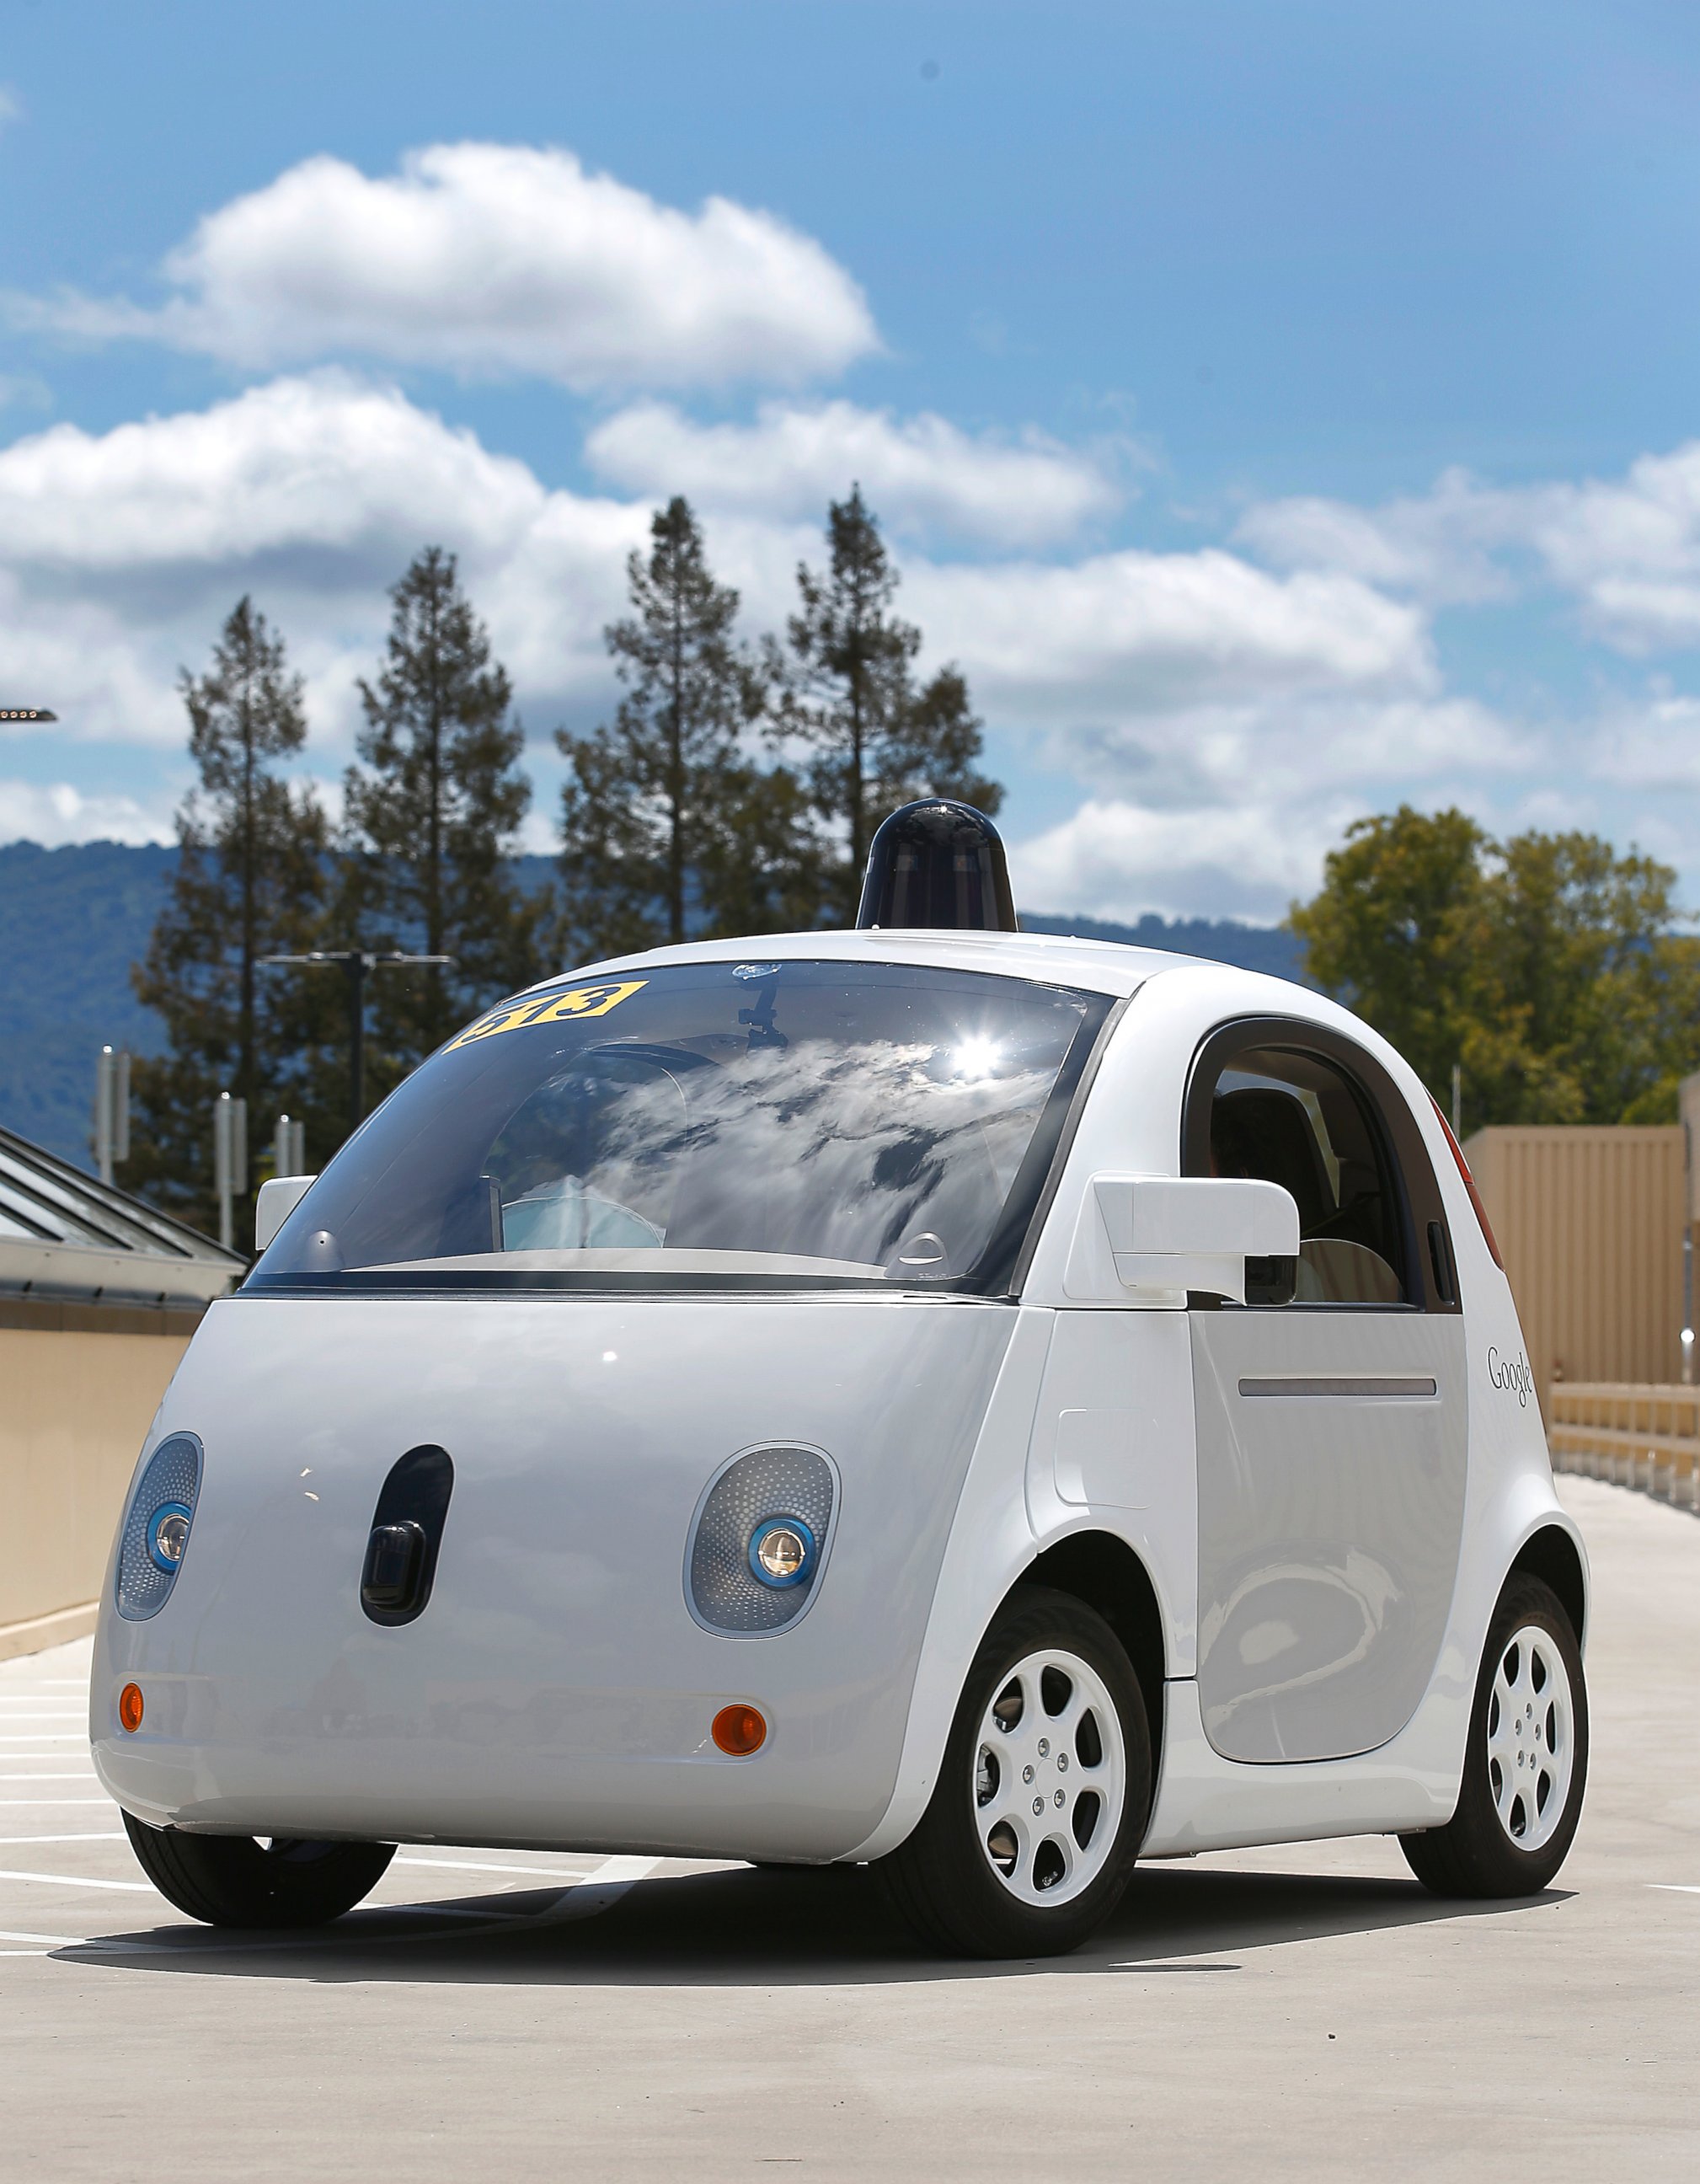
x,y
782,1551
168,1534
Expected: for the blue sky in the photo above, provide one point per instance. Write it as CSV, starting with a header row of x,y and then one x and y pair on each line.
x,y
1276,412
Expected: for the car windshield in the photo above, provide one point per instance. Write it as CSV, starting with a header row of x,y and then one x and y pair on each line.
x,y
709,1125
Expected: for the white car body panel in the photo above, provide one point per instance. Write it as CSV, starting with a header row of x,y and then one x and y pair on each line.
x,y
556,1690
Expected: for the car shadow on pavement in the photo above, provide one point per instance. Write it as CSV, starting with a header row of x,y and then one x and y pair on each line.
x,y
773,1927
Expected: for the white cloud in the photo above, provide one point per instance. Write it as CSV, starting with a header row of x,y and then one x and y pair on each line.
x,y
1438,546
1627,549
121,552
1228,810
1118,635
1280,750
1652,745
1116,860
919,475
11,106
323,466
492,261
57,812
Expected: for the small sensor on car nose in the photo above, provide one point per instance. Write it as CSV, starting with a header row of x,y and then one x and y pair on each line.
x,y
395,1558
780,1551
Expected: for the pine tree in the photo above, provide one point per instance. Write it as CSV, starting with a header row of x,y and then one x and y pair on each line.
x,y
850,692
763,861
434,807
668,832
249,882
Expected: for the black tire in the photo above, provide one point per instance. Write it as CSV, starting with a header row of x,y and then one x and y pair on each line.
x,y
232,1880
1474,1855
942,1879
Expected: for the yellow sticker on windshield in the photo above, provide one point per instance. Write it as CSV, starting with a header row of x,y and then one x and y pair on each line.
x,y
548,1008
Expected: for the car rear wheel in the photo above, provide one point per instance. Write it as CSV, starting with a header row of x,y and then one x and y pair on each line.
x,y
1031,1833
237,1881
1527,1762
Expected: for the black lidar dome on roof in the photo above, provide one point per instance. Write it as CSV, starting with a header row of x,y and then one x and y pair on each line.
x,y
938,866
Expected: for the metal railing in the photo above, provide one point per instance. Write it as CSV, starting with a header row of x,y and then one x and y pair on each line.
x,y
1635,1433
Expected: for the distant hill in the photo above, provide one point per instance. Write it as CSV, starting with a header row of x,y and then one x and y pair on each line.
x,y
72,922
1264,948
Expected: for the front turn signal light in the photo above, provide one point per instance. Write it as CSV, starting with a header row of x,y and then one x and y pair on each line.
x,y
738,1731
129,1707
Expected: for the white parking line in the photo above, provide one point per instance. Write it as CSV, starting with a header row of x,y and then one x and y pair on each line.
x,y
47,1736
116,1834
599,1892
70,1881
48,1945
42,1803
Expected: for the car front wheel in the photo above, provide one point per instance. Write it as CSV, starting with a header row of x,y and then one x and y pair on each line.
x,y
236,1881
1031,1836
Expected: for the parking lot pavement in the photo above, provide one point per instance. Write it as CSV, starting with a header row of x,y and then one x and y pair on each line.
x,y
1303,2012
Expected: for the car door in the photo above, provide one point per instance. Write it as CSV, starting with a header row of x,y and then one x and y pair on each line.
x,y
1331,1406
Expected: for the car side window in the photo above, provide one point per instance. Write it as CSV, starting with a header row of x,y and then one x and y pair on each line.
x,y
1292,1118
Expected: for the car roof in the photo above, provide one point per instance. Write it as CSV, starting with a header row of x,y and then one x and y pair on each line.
x,y
1104,967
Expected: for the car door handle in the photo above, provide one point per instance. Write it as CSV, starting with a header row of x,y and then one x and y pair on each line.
x,y
1406,1388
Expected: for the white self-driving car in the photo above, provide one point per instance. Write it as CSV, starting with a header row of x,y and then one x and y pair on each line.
x,y
981,1404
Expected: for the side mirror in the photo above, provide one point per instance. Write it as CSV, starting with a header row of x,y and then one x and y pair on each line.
x,y
276,1202
1149,1238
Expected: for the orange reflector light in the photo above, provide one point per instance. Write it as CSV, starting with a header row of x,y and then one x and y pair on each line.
x,y
739,1731
130,1706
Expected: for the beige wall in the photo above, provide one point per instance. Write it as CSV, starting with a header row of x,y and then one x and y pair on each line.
x,y
1590,1224
78,1388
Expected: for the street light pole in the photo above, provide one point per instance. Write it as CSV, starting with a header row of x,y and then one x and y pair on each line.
x,y
357,965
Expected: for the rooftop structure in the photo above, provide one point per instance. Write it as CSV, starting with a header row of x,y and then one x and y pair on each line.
x,y
65,1238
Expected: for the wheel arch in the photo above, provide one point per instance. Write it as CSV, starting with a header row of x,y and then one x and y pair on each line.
x,y
1105,1574
1552,1554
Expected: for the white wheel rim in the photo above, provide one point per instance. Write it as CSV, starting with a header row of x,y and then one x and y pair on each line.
x,y
1049,1778
1531,1738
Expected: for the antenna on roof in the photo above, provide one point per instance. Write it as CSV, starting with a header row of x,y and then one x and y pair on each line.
x,y
939,866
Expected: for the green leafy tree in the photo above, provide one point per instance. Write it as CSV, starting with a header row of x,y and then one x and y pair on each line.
x,y
1398,931
762,867
668,831
849,693
1548,966
1586,1007
434,807
249,881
